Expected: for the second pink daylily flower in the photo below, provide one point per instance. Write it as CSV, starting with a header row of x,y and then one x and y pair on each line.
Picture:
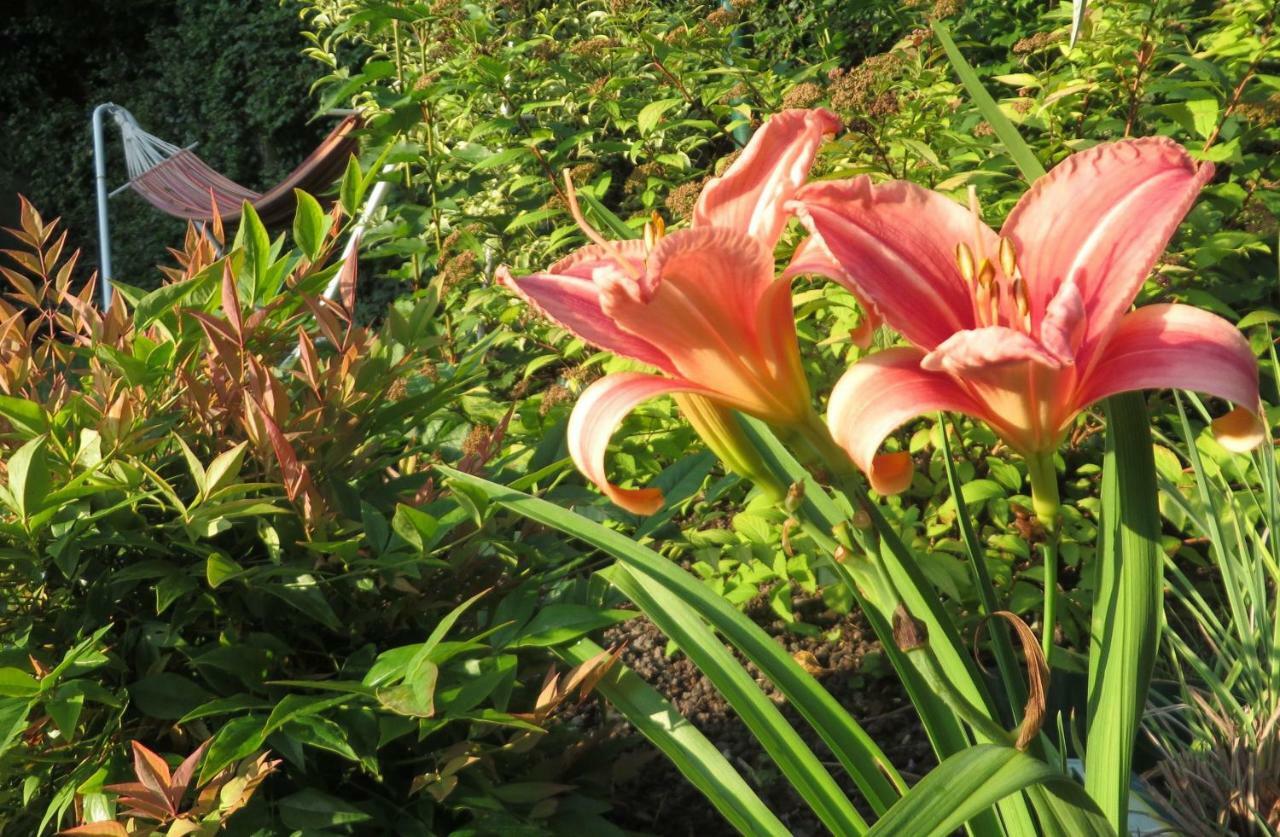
x,y
1025,328
702,305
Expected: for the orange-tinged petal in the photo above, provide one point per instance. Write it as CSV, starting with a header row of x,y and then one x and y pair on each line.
x,y
1182,347
896,246
876,396
751,195
722,318
1102,218
1240,430
598,413
891,473
573,302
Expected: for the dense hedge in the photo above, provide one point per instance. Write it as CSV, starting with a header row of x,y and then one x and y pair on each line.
x,y
228,74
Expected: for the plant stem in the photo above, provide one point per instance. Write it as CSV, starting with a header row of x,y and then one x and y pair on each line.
x,y
1045,502
1050,551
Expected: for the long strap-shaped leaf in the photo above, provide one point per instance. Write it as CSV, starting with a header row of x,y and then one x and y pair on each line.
x,y
794,758
1018,149
1127,606
687,748
875,776
973,780
943,726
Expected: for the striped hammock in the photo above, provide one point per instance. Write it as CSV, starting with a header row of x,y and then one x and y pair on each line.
x,y
178,183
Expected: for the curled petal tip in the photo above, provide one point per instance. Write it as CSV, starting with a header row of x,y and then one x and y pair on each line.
x,y
863,333
1240,430
642,501
891,472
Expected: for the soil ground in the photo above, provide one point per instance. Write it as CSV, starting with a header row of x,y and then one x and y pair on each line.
x,y
656,799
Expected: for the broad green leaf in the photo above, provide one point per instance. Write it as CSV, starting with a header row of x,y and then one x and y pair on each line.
x,y
218,568
559,623
29,477
26,416
257,248
237,739
351,190
973,780
649,115
310,224
14,682
1127,608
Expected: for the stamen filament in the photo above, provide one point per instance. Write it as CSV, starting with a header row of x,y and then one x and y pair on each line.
x,y
590,232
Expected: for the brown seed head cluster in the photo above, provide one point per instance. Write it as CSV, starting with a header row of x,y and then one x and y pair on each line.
x,y
638,180
884,104
545,50
852,91
1256,218
1022,105
947,8
450,9
983,129
554,396
804,95
1036,42
1264,114
477,440
727,160
583,172
682,199
675,34
593,47
722,17
594,88
458,269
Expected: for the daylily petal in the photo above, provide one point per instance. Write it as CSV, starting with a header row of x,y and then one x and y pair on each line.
x,y
1062,327
722,318
1160,346
749,197
1022,386
974,350
895,243
880,393
596,416
574,303
1102,218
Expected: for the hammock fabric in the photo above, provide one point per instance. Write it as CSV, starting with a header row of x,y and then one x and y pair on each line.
x,y
178,183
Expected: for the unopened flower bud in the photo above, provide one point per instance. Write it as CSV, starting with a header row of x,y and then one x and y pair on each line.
x,y
795,496
909,633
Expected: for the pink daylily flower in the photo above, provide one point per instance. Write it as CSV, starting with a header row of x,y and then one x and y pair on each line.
x,y
700,305
1026,328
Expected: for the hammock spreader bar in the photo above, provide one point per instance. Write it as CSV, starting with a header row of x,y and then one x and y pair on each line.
x,y
178,183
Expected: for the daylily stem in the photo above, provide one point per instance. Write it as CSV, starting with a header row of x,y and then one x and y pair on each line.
x,y
1045,502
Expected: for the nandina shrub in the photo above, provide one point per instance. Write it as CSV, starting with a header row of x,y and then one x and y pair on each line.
x,y
219,536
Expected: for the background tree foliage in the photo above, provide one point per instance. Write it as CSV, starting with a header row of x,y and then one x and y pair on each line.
x,y
225,73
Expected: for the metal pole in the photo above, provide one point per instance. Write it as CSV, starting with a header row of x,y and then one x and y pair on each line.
x,y
100,179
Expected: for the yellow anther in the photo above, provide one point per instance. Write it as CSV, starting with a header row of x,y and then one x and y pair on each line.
x,y
986,274
654,229
1020,299
1008,258
964,260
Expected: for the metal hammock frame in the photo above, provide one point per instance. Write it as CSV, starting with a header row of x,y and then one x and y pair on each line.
x,y
178,183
